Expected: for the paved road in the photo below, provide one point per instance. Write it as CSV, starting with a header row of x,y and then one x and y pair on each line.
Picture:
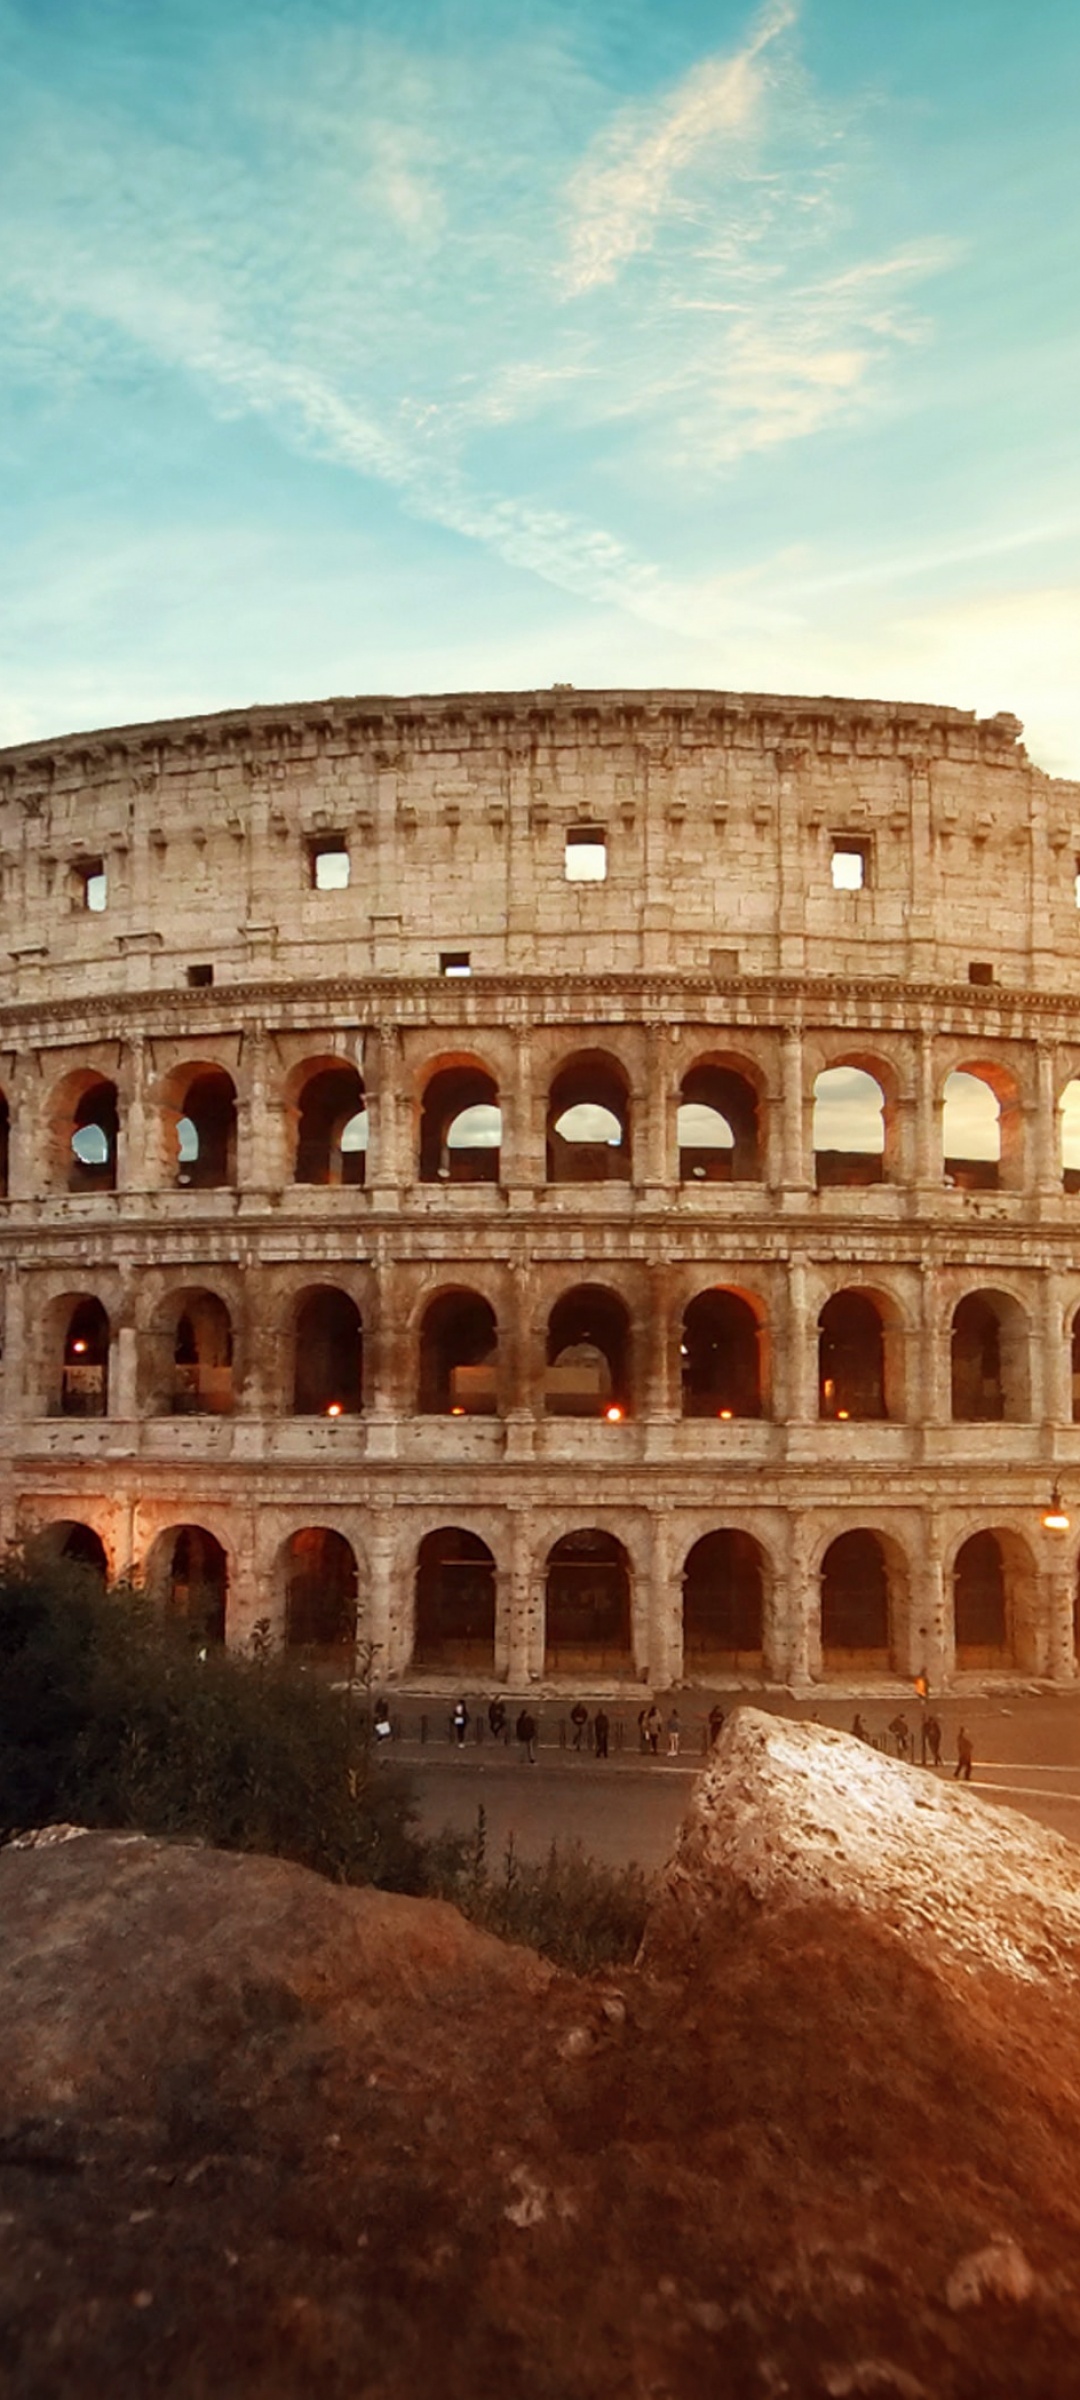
x,y
1027,1756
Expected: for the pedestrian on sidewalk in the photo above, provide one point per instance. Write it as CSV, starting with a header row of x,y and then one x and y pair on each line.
x,y
898,1727
601,1729
964,1755
460,1722
527,1731
579,1718
674,1733
497,1718
653,1729
931,1741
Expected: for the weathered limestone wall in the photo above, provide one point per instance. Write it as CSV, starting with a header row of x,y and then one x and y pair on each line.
x,y
716,936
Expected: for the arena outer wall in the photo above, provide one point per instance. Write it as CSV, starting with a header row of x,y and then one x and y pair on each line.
x,y
168,944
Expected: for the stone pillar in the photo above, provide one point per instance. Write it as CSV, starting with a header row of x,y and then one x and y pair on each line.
x,y
522,1164
928,1151
800,1395
800,1634
376,1620
659,1398
16,1395
655,1162
517,1642
246,1599
263,1163
390,1161
390,1361
123,1370
935,1353
796,1164
131,1140
29,1168
1044,1125
662,1657
930,1642
1059,1589
1054,1342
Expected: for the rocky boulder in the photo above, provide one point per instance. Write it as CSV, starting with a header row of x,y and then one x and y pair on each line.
x,y
259,2135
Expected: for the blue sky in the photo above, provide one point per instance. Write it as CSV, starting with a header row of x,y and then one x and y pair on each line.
x,y
349,348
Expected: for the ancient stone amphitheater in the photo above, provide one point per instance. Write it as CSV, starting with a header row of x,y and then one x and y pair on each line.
x,y
558,1184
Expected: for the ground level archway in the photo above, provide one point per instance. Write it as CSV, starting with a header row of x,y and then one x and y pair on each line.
x,y
455,1602
587,1613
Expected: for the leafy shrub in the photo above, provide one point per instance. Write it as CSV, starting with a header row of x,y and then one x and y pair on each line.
x,y
109,1715
577,1912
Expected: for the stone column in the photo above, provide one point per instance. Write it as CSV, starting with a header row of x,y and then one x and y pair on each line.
x,y
246,1599
391,1362
123,1369
931,1644
1044,1125
29,1169
929,1171
375,1621
663,1654
387,1166
522,1163
1054,1342
935,1355
799,1403
655,1163
801,1632
659,1398
18,1401
1059,1586
262,1160
132,1162
796,1163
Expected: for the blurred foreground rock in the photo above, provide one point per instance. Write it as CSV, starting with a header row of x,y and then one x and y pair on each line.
x,y
261,2136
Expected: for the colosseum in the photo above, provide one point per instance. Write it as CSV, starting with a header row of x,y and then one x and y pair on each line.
x,y
573,1188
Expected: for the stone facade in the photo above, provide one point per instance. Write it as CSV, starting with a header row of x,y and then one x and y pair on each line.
x,y
471,1209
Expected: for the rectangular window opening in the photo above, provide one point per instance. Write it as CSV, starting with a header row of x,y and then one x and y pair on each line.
x,y
850,864
980,971
585,857
91,885
200,975
454,962
328,862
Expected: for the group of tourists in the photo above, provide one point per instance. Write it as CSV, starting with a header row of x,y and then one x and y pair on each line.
x,y
930,1739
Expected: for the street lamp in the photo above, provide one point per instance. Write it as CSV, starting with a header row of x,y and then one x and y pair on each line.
x,y
1056,1517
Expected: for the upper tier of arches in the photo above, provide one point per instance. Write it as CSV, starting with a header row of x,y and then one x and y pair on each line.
x,y
831,1114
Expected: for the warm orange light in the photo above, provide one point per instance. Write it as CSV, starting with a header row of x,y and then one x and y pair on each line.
x,y
842,1415
334,1408
726,1414
78,1348
457,1410
1056,1517
613,1414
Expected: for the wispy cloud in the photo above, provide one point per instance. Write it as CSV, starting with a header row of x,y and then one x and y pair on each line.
x,y
620,191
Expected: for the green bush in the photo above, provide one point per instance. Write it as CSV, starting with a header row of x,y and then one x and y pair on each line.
x,y
109,1715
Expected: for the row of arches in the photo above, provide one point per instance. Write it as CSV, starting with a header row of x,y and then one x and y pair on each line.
x,y
591,1357
588,1599
589,1125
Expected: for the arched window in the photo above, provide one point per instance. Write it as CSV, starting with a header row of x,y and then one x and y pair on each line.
x,y
320,1594
989,1358
189,1572
723,1604
982,1129
587,1619
201,1382
460,1127
1069,1113
849,1127
718,1130
981,1613
331,1128
458,1346
588,1124
73,1544
855,1602
92,1139
455,1602
851,1358
206,1131
721,1362
588,1355
328,1355
84,1383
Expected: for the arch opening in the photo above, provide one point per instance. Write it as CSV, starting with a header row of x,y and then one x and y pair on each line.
x,y
980,1127
206,1132
332,1129
84,1375
201,1381
1069,1113
460,1127
321,1594
458,1357
981,1604
587,1616
588,1355
588,1123
851,1358
73,1544
848,1128
328,1355
721,1357
91,1138
989,1360
189,1575
856,1605
718,1127
455,1602
723,1604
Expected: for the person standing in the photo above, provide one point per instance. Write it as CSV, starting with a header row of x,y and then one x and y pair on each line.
x,y
964,1755
527,1730
579,1718
932,1740
460,1722
652,1728
674,1734
716,1721
497,1718
601,1729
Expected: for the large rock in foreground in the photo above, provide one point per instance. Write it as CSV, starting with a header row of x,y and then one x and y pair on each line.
x,y
259,2136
